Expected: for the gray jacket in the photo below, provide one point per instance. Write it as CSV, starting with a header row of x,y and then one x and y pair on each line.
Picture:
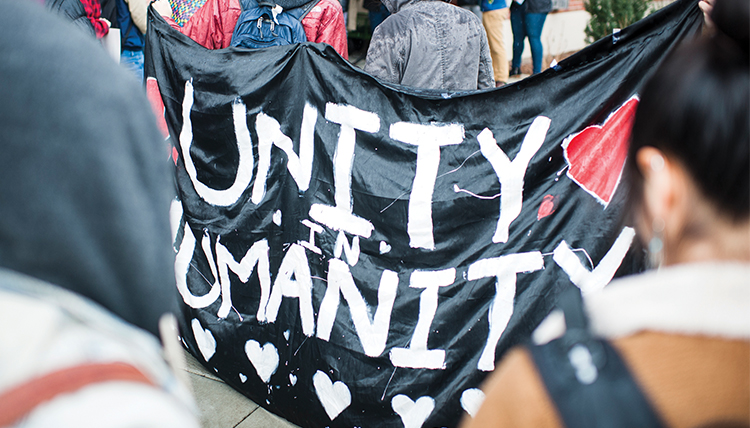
x,y
430,44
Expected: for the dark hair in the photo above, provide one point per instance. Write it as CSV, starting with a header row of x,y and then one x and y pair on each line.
x,y
696,109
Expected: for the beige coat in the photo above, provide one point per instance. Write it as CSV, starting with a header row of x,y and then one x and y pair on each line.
x,y
684,332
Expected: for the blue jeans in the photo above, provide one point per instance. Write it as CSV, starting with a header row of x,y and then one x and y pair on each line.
x,y
527,25
133,61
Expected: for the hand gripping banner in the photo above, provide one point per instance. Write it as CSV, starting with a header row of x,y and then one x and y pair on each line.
x,y
353,253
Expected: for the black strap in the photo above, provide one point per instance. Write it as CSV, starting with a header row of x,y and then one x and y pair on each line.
x,y
303,10
586,378
298,12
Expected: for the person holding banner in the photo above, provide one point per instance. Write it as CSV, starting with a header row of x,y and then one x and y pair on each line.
x,y
430,45
676,347
212,25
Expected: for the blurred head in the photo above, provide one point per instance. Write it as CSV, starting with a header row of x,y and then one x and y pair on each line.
x,y
689,159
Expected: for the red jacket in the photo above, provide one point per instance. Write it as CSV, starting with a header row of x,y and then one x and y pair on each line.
x,y
212,25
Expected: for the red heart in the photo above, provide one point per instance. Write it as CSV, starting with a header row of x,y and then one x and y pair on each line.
x,y
596,155
547,207
154,96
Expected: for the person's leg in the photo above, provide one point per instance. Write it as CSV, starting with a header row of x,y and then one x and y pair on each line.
x,y
133,61
493,22
534,24
519,34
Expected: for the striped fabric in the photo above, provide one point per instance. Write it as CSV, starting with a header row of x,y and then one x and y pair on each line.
x,y
182,10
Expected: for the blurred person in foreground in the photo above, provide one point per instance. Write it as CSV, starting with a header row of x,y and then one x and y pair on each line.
x,y
86,262
678,336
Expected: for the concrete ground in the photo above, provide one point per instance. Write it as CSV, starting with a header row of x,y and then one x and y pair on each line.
x,y
221,406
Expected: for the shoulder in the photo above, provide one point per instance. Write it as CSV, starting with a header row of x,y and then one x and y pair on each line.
x,y
692,380
329,5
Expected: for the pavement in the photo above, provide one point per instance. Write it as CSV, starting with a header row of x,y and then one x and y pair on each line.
x,y
221,406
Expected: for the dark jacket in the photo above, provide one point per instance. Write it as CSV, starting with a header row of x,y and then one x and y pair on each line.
x,y
535,6
74,11
430,44
132,37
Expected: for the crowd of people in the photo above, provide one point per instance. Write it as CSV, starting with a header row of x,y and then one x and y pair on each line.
x,y
473,50
86,275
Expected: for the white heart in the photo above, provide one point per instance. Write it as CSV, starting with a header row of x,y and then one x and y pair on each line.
x,y
265,359
413,414
204,339
277,217
335,397
471,399
286,335
243,378
292,379
384,247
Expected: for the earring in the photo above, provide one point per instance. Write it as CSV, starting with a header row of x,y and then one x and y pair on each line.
x,y
657,162
656,244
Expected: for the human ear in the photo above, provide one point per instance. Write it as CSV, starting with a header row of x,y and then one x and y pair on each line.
x,y
658,187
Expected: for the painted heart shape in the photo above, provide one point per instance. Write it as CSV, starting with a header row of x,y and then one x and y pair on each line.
x,y
596,156
334,396
547,207
265,359
277,218
157,105
413,414
471,399
204,339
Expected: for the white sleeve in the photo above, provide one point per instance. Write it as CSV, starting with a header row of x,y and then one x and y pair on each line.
x,y
113,405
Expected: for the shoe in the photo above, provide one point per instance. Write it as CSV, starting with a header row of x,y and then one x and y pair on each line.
x,y
499,84
515,71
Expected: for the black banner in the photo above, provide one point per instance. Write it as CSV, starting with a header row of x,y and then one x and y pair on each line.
x,y
353,253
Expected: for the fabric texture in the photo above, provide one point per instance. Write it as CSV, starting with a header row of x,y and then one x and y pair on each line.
x,y
213,24
493,21
83,177
323,120
694,373
182,10
587,379
431,45
488,5
94,13
74,364
73,10
132,60
139,12
130,34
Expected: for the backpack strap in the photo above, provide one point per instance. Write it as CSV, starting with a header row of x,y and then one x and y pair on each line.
x,y
302,11
22,399
588,381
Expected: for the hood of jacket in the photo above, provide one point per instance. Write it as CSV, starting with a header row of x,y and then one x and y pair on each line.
x,y
84,179
394,6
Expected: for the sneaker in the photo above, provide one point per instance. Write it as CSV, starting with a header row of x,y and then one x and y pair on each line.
x,y
515,71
